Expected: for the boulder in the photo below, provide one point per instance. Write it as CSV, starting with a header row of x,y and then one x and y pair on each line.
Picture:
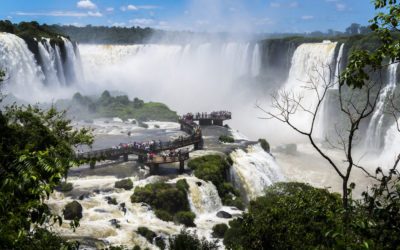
x,y
115,223
223,214
126,184
73,210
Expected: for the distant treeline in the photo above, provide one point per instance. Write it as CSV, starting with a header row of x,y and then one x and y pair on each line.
x,y
136,35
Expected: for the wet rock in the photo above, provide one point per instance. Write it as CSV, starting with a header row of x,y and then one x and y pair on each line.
x,y
122,206
115,223
223,214
126,184
73,210
83,196
111,201
199,183
100,210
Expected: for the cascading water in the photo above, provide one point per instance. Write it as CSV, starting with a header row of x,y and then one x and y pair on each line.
x,y
71,64
254,170
338,67
374,131
29,81
203,196
256,61
22,71
48,64
391,148
311,62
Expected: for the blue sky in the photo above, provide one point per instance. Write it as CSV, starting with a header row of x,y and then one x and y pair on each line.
x,y
198,15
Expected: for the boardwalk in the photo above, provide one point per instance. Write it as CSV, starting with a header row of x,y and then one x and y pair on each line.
x,y
153,152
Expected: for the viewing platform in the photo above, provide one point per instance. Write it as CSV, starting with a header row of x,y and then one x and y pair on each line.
x,y
206,119
153,152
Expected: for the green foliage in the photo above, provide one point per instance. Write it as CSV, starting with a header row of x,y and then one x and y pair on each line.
x,y
265,145
164,215
226,139
65,187
166,199
185,241
289,216
119,106
105,35
37,149
182,185
30,30
160,243
147,233
215,168
219,230
126,184
186,218
136,248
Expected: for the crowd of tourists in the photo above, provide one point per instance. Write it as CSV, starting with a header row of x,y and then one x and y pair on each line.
x,y
203,115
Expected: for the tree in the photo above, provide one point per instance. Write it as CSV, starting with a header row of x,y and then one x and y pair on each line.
x,y
288,216
37,149
358,94
353,29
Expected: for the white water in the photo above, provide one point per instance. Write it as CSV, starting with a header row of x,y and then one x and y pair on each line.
x,y
22,71
338,67
391,147
28,80
310,63
254,170
256,61
374,131
203,196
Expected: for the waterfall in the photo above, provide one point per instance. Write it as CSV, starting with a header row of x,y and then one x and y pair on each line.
x,y
374,131
203,196
71,65
310,62
391,147
59,66
256,61
338,68
34,81
254,170
23,75
48,64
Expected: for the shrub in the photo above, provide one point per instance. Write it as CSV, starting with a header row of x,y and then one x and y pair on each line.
x,y
186,218
182,185
65,187
226,139
214,168
186,241
219,230
166,199
164,215
289,216
265,145
126,184
147,233
159,241
136,248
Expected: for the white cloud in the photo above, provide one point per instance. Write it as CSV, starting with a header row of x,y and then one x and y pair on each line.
x,y
86,4
61,14
293,5
110,9
138,7
141,21
307,17
341,6
96,14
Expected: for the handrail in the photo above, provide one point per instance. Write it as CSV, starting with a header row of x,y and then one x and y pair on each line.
x,y
188,126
